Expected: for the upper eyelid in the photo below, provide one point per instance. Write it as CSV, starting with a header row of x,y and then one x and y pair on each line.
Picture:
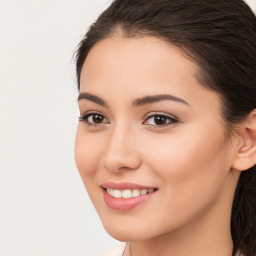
x,y
160,114
92,112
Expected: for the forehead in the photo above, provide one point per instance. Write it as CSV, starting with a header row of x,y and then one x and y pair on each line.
x,y
137,54
133,67
144,58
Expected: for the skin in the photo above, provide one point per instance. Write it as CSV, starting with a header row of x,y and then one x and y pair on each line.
x,y
189,160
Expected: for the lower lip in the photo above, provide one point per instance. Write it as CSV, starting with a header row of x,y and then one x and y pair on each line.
x,y
124,204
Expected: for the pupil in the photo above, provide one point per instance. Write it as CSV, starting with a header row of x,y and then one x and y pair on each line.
x,y
97,119
160,120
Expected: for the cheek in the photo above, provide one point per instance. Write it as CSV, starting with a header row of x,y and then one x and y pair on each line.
x,y
87,154
191,156
88,151
191,169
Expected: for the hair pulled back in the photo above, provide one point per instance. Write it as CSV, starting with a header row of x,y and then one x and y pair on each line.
x,y
220,37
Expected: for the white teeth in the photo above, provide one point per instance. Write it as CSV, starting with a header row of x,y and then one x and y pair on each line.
x,y
136,193
128,193
117,193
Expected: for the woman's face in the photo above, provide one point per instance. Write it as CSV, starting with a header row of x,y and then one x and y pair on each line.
x,y
151,146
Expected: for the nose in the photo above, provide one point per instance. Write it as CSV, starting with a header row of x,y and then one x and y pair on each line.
x,y
121,153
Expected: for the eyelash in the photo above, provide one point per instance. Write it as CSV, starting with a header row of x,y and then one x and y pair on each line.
x,y
169,119
88,115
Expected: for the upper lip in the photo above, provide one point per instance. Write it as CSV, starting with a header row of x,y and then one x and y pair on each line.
x,y
124,185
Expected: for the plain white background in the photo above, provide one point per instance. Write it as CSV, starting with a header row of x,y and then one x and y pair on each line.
x,y
44,209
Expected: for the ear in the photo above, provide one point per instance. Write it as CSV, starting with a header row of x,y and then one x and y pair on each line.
x,y
245,155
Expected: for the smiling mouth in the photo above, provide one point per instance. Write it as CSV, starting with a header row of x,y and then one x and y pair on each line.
x,y
125,196
128,193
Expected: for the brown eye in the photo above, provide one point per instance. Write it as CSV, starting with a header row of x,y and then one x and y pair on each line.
x,y
94,118
97,119
160,120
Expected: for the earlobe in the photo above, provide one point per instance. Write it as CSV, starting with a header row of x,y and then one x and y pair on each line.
x,y
245,155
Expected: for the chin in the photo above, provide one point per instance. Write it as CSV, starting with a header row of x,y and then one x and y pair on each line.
x,y
127,231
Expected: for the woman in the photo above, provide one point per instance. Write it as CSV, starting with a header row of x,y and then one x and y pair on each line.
x,y
166,143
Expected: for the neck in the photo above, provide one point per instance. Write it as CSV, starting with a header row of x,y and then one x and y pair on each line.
x,y
192,245
208,236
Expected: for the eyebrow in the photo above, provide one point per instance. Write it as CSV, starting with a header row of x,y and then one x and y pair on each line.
x,y
137,102
93,98
157,98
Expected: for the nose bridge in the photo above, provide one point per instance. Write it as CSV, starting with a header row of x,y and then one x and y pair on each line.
x,y
121,152
119,137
